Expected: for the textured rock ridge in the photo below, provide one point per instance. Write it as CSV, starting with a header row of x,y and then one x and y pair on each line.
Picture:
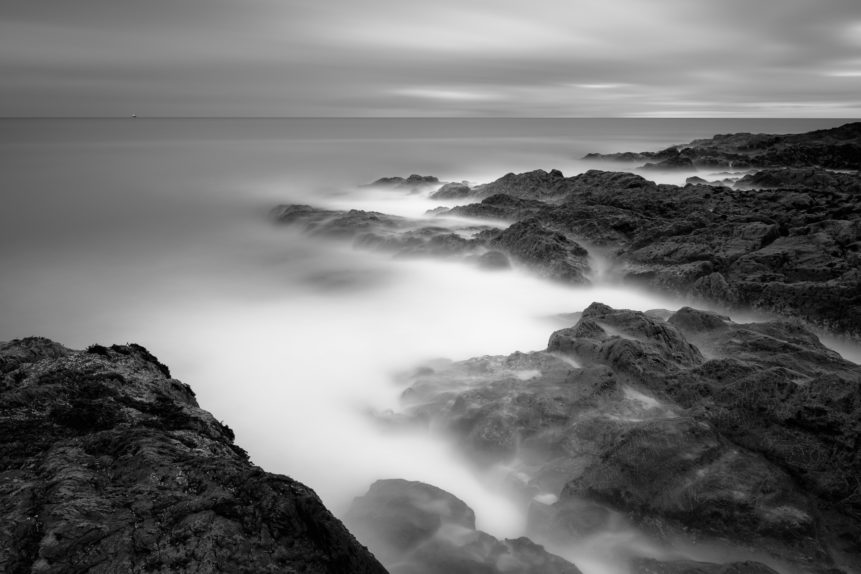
x,y
691,426
794,249
109,465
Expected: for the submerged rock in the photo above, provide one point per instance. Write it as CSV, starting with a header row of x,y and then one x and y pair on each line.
x,y
109,465
694,426
417,528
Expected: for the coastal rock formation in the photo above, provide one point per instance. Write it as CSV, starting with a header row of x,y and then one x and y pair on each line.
x,y
532,244
451,191
793,250
107,464
692,427
836,148
499,206
538,184
416,528
542,249
814,179
374,230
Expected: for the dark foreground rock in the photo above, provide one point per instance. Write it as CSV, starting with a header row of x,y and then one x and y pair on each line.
x,y
108,465
836,148
693,427
416,528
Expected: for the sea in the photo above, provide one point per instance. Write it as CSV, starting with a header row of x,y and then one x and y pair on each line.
x,y
157,231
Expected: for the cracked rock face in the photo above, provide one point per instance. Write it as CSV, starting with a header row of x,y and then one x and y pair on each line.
x,y
109,465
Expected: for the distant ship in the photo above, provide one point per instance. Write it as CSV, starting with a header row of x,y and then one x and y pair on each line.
x,y
134,116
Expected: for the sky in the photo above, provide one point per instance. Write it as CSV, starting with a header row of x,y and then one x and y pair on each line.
x,y
483,58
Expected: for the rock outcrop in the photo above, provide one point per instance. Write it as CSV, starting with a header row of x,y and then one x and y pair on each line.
x,y
692,427
793,250
836,148
414,182
107,464
416,528
541,248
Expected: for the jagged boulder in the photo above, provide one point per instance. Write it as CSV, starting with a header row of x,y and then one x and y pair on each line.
x,y
109,465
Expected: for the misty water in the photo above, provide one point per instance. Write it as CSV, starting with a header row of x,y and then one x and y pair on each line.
x,y
156,232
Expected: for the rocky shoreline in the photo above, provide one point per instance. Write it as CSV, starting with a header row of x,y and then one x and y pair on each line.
x,y
693,430
691,427
785,240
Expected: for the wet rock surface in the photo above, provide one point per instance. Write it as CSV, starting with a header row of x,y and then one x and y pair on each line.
x,y
416,528
794,250
785,240
694,427
109,465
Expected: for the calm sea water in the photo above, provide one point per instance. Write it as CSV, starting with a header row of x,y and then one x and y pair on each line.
x,y
155,232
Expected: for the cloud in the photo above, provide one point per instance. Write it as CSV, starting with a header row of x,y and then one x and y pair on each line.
x,y
445,94
465,57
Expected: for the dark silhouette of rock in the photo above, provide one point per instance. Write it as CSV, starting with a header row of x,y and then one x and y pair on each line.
x,y
691,426
414,182
418,528
836,148
109,465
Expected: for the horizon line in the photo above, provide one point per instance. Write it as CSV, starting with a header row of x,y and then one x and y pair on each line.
x,y
249,117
